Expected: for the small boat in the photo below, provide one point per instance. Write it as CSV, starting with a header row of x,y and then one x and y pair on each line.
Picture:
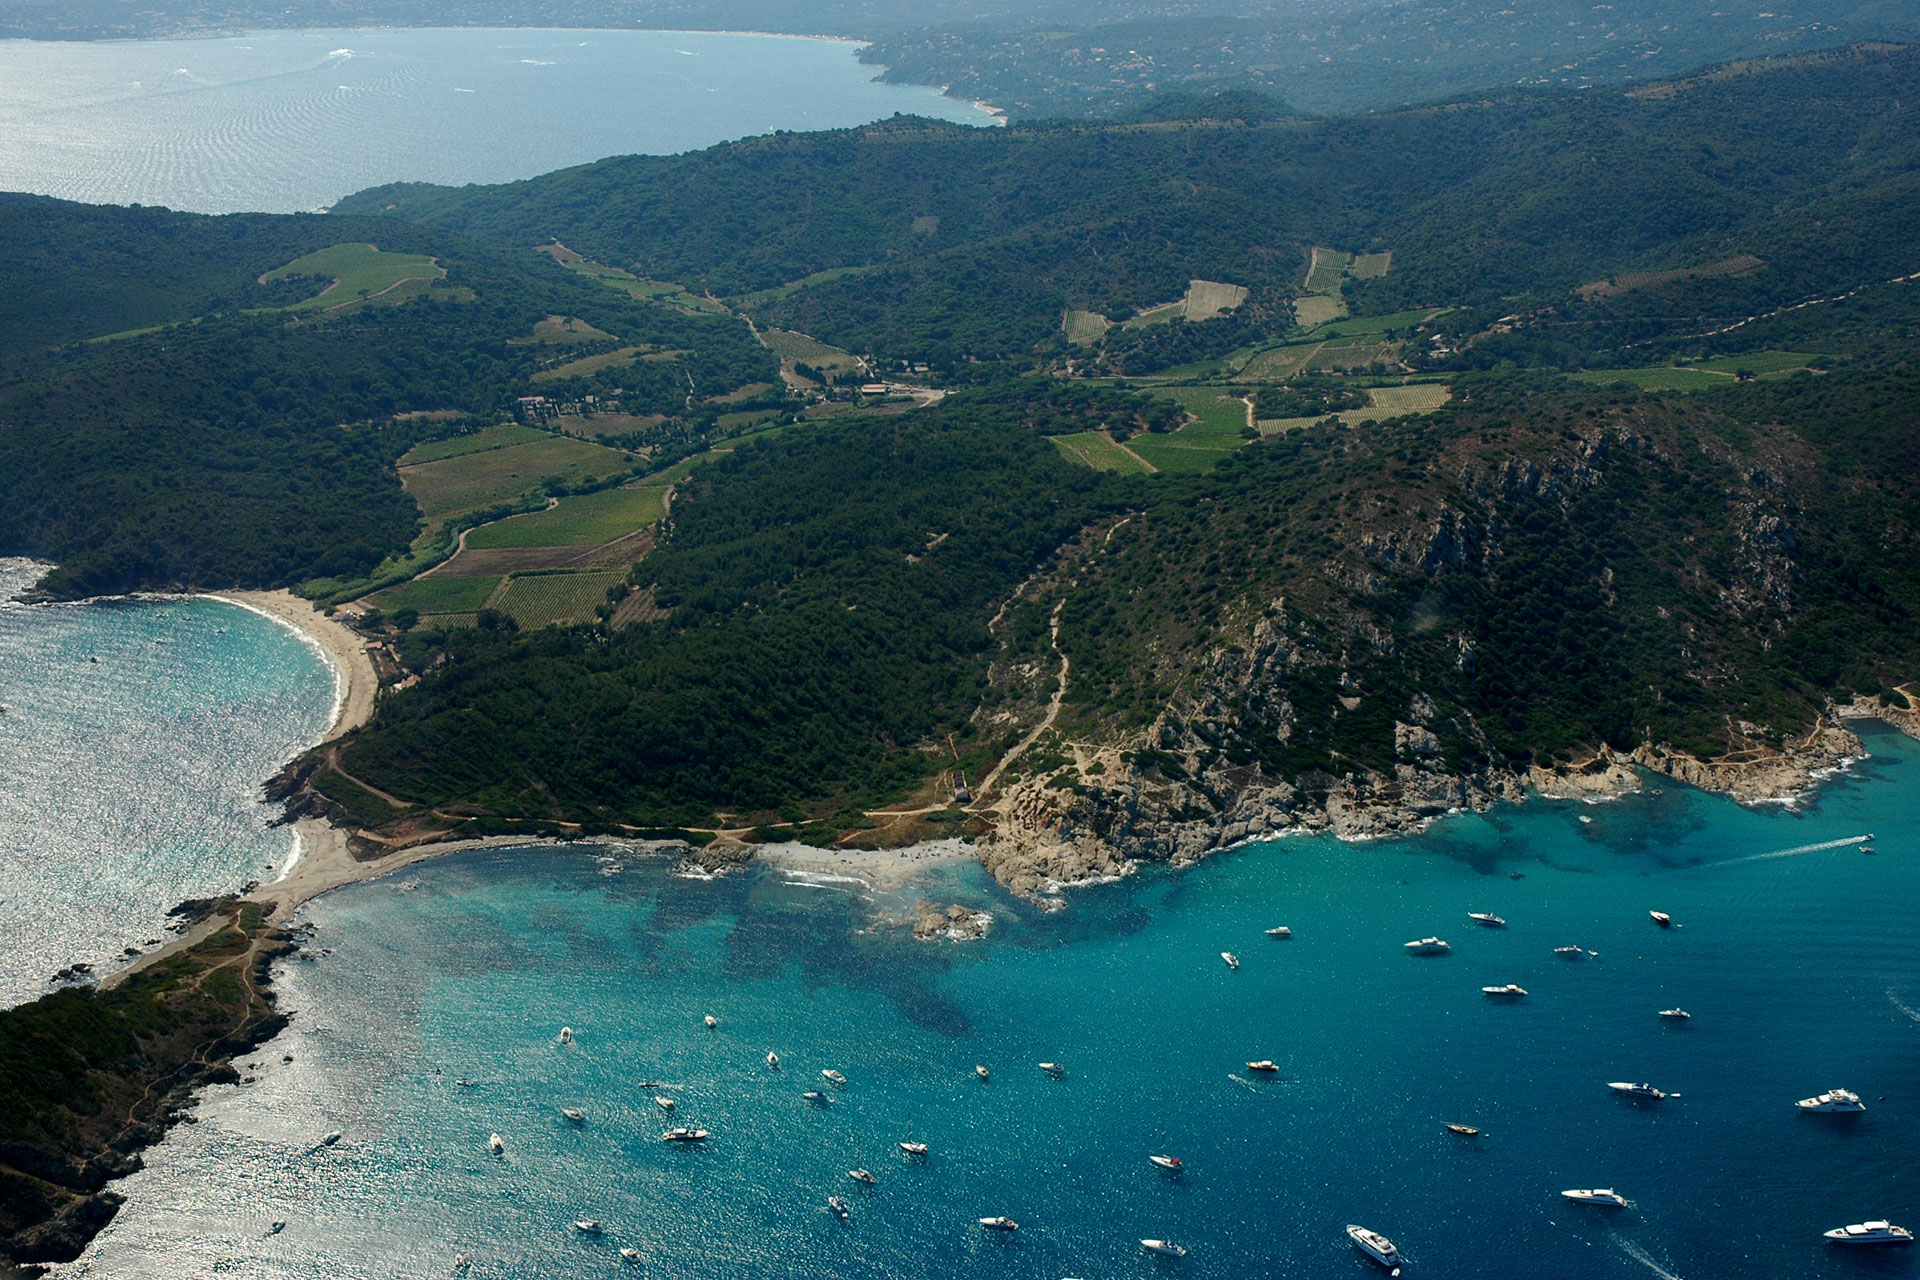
x,y
461,1261
1374,1245
566,1035
1837,1100
1662,919
1511,991
1877,1232
773,1060
981,1071
652,1084
1280,931
574,1114
275,1227
1264,1066
464,1083
684,1135
588,1226
1428,947
712,1022
1675,1015
1636,1090
1167,1247
1597,1195
914,1148
1570,953
1170,1163
835,1078
630,1254
861,1175
999,1224
663,1102
331,1138
1053,1068
1233,961
838,1205
818,1098
1487,918
1866,848
496,1144
1464,1130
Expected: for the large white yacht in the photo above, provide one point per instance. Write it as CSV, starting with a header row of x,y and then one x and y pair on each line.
x,y
1596,1195
1167,1247
1428,947
1374,1245
1510,991
1636,1090
999,1224
1487,918
1876,1232
1837,1100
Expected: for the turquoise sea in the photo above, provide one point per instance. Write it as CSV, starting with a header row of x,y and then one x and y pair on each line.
x,y
285,121
1798,957
135,739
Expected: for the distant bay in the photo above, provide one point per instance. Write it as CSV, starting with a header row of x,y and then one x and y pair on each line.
x,y
285,121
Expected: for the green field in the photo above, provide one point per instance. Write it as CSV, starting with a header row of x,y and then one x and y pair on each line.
x,y
437,595
548,599
798,346
587,366
1090,448
781,292
1317,309
479,442
1418,397
474,480
584,521
1084,328
1371,266
357,270
1222,417
564,331
1354,326
1706,375
1327,270
1278,363
1209,298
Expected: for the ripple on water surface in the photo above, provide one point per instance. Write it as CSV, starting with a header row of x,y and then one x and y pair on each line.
x,y
1801,972
135,739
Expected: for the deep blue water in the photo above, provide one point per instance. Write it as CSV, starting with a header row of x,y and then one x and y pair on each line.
x,y
1802,972
135,739
284,121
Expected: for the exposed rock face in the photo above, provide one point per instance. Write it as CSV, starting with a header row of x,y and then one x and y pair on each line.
x,y
934,922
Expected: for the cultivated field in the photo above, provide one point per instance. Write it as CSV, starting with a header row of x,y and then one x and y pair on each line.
x,y
479,442
549,599
1209,298
1371,266
1222,417
1743,265
1325,269
358,270
583,521
1706,375
437,595
1346,356
1092,449
1279,363
1316,309
1418,397
587,366
480,479
564,331
1084,328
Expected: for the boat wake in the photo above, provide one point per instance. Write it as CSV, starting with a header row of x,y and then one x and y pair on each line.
x,y
1893,994
1795,851
1640,1255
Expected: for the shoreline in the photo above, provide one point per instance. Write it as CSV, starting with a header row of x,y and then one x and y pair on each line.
x,y
355,682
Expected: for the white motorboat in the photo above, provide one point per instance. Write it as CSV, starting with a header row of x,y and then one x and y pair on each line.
x,y
834,1078
588,1226
838,1206
1280,931
663,1102
981,1071
1168,1247
1878,1231
1570,953
1662,919
331,1139
818,1097
630,1254
1510,991
1487,918
1675,1015
999,1224
914,1148
1233,961
1837,1100
1464,1130
574,1114
773,1060
712,1022
1636,1090
684,1135
1170,1163
861,1175
496,1144
1053,1068
1428,947
1374,1245
1265,1066
566,1035
1597,1195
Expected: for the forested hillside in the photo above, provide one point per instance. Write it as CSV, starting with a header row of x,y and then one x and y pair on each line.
x,y
930,242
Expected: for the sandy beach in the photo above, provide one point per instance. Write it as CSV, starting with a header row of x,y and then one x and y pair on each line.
x,y
884,869
346,652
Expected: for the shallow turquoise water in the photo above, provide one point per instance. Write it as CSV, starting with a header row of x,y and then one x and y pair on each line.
x,y
1800,971
284,121
136,736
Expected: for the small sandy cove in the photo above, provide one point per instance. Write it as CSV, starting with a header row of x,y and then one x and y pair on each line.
x,y
345,652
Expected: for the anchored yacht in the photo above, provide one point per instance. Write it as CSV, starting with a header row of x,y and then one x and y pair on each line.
x,y
1053,1068
630,1254
1280,931
1675,1015
1875,1232
1464,1130
1167,1247
861,1175
712,1022
1597,1195
838,1205
1233,961
1487,918
1374,1245
684,1135
663,1102
981,1071
1428,947
818,1098
914,1148
1570,953
574,1114
1837,1100
1662,919
1170,1163
999,1224
496,1144
773,1060
1511,991
587,1226
1264,1065
834,1077
566,1035
1636,1090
